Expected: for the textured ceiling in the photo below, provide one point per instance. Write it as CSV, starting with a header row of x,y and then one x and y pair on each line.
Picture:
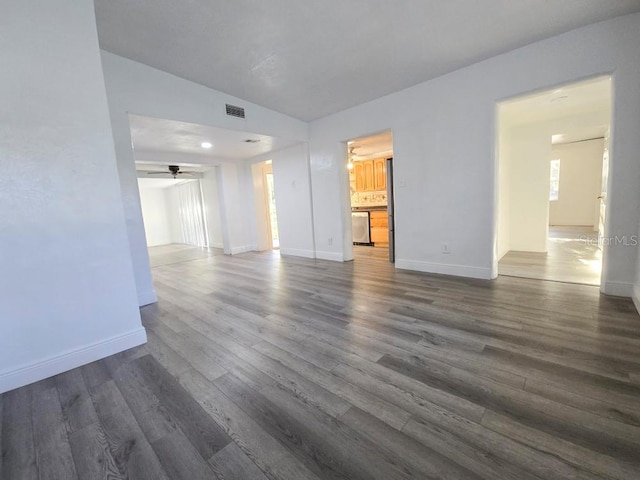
x,y
155,139
310,58
590,100
591,96
378,145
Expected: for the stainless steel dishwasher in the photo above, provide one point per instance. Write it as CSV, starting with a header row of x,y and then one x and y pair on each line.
x,y
360,225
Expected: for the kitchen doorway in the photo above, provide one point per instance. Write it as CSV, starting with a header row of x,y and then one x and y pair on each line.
x,y
370,166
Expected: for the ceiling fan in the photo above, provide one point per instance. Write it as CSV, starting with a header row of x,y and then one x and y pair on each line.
x,y
352,157
173,170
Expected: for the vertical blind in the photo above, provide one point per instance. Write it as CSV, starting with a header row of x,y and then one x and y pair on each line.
x,y
191,212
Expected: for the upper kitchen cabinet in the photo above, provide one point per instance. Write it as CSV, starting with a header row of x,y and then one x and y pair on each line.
x,y
369,180
358,173
379,174
370,175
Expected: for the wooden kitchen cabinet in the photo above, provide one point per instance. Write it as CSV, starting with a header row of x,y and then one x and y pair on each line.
x,y
358,172
369,181
379,223
370,175
379,174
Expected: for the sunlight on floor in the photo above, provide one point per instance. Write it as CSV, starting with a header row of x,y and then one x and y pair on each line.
x,y
574,256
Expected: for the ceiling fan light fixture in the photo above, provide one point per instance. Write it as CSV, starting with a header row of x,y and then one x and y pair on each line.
x,y
351,155
173,170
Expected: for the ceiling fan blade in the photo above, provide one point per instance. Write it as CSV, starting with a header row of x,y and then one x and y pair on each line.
x,y
158,173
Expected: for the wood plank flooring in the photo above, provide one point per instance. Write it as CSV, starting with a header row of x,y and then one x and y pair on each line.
x,y
573,256
261,367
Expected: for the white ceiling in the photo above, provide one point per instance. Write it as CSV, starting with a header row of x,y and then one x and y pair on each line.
x,y
378,145
160,141
311,58
158,182
161,167
575,99
588,101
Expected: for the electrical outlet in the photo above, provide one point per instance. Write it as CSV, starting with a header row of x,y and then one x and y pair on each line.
x,y
330,241
445,248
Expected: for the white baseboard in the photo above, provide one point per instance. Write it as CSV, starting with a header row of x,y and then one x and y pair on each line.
x,y
242,249
69,360
445,269
296,252
617,289
335,257
636,296
216,245
147,298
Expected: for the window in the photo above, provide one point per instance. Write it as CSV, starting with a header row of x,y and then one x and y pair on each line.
x,y
554,187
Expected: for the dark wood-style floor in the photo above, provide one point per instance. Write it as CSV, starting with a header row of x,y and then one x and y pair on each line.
x,y
285,368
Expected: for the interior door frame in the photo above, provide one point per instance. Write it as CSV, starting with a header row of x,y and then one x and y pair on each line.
x,y
391,210
267,169
604,274
345,193
263,228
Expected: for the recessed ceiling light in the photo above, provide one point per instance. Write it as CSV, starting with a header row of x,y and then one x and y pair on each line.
x,y
206,145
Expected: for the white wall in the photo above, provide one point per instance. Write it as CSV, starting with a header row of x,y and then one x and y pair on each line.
x,y
210,196
137,88
238,215
67,291
580,183
292,185
529,168
503,193
173,215
444,152
156,216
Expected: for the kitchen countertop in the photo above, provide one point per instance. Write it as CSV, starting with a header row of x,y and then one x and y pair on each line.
x,y
371,208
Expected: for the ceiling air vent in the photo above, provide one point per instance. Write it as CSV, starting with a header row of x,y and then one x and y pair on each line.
x,y
235,111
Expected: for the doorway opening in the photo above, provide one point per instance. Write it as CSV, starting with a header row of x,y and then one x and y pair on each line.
x,y
174,212
553,153
272,216
370,166
264,194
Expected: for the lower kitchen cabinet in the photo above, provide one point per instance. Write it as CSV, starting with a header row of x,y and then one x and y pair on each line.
x,y
379,227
